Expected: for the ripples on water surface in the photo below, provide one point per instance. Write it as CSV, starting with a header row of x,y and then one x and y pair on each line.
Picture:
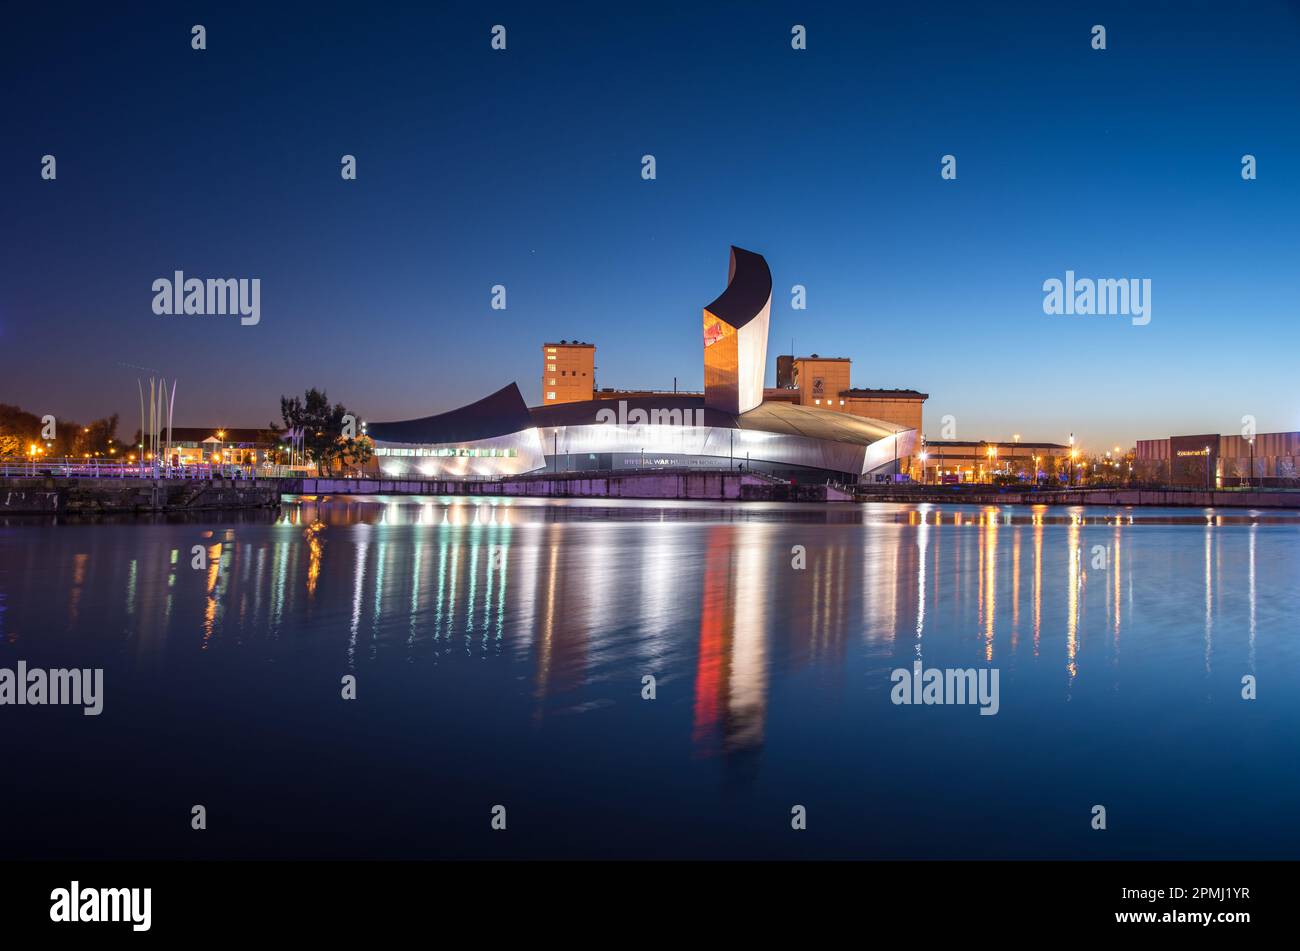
x,y
499,650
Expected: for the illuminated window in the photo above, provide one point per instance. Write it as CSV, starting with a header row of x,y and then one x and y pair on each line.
x,y
550,395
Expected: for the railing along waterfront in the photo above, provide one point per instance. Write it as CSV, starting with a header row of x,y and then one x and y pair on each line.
x,y
112,469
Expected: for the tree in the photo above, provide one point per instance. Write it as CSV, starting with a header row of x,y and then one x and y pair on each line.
x,y
321,429
355,453
98,438
19,429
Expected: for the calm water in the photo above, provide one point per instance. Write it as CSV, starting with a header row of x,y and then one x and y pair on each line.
x,y
499,651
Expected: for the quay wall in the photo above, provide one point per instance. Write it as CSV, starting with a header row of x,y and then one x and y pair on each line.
x,y
660,484
1171,498
53,495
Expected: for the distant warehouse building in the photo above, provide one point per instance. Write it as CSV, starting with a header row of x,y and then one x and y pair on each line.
x,y
1269,459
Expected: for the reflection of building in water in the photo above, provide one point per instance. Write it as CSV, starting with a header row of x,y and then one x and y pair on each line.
x,y
578,606
1001,565
889,571
562,638
731,672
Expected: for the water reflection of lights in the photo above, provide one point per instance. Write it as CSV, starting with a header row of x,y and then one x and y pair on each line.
x,y
731,672
1038,584
358,585
315,545
1251,595
989,579
210,608
1074,599
1209,591
1015,589
539,590
922,547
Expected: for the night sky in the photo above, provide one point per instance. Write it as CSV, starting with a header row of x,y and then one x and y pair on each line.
x,y
523,167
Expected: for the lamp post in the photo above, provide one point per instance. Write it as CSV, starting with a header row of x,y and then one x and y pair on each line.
x,y
1207,468
1250,479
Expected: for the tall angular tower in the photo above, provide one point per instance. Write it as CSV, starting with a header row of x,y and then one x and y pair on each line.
x,y
735,335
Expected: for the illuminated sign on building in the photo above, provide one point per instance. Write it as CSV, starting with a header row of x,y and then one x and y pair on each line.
x,y
443,452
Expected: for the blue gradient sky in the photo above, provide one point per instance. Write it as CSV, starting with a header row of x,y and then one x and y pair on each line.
x,y
523,168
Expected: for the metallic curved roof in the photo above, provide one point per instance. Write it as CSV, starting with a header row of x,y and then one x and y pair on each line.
x,y
749,287
497,414
816,423
772,417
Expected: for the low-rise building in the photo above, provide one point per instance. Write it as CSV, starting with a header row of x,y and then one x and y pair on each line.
x,y
1211,460
193,445
953,460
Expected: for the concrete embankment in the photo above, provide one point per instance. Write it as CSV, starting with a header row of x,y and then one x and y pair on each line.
x,y
658,484
1172,498
53,495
